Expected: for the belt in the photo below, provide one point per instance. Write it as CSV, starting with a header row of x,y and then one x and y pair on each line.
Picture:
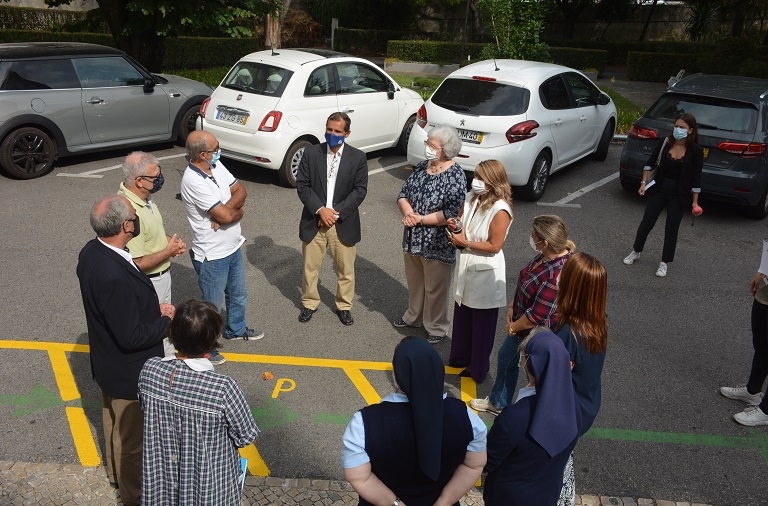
x,y
157,274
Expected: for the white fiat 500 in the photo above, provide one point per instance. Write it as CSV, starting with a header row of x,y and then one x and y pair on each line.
x,y
273,104
535,118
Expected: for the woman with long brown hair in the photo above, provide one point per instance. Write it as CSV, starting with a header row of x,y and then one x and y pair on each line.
x,y
582,325
675,186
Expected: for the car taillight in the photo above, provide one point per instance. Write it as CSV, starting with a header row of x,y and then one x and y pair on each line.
x,y
481,78
270,121
522,131
745,149
636,132
204,106
421,116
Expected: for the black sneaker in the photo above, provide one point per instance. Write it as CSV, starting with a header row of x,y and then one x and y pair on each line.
x,y
216,358
435,339
306,314
249,335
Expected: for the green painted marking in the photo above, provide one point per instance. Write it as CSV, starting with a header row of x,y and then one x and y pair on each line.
x,y
38,399
273,413
331,418
756,440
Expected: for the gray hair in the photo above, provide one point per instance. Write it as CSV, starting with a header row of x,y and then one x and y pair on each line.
x,y
449,139
196,145
109,214
136,164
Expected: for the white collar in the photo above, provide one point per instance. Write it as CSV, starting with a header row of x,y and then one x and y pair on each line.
x,y
525,392
196,364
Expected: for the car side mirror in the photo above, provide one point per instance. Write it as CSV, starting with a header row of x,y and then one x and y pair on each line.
x,y
603,99
149,84
391,91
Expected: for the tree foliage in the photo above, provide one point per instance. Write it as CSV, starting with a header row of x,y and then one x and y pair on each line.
x,y
516,27
139,27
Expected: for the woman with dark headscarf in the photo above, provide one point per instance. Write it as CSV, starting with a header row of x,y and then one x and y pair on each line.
x,y
531,440
417,447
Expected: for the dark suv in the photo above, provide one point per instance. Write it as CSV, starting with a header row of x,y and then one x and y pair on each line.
x,y
64,98
733,125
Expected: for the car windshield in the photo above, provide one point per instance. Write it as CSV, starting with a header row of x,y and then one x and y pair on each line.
x,y
257,78
481,98
710,113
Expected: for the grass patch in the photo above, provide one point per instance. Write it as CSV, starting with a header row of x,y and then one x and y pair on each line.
x,y
626,110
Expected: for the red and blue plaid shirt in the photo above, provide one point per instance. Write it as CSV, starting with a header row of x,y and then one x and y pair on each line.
x,y
536,291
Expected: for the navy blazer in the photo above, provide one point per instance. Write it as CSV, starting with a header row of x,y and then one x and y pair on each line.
x,y
125,327
350,191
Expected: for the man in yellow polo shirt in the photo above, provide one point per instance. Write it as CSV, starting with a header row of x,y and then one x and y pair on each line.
x,y
152,248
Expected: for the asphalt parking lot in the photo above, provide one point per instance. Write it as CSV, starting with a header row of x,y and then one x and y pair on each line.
x,y
664,431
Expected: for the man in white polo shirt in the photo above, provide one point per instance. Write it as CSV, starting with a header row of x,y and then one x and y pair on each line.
x,y
215,201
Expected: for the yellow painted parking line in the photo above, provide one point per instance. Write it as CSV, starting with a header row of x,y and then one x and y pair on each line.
x,y
63,374
256,464
83,437
363,385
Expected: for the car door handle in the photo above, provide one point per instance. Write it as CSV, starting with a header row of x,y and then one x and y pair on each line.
x,y
582,118
349,111
558,122
175,95
94,100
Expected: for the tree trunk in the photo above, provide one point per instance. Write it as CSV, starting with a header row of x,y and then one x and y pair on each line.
x,y
146,47
739,16
272,32
648,21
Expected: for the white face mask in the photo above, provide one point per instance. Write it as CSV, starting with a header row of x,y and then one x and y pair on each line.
x,y
430,153
478,187
533,244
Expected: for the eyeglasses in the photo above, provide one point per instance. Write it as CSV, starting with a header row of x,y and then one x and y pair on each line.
x,y
151,178
426,143
213,150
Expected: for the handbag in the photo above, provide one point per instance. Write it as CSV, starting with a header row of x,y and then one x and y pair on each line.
x,y
652,172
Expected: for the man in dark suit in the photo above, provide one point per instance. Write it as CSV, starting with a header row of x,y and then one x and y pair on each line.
x,y
332,182
126,326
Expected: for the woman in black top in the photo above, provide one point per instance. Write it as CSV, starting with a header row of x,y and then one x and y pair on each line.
x,y
676,187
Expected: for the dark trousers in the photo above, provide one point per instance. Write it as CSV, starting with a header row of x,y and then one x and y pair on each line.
x,y
474,331
665,195
124,434
760,359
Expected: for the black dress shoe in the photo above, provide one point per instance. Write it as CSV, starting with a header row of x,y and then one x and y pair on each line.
x,y
345,316
306,314
456,364
465,374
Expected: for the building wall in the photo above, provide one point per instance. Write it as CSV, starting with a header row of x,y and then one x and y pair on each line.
x,y
75,5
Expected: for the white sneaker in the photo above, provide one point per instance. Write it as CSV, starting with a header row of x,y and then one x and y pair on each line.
x,y
752,417
662,270
630,259
484,405
741,394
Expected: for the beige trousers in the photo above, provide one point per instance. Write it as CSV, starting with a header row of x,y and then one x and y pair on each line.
x,y
429,286
123,434
343,258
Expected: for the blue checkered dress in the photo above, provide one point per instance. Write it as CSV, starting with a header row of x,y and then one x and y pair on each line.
x,y
194,422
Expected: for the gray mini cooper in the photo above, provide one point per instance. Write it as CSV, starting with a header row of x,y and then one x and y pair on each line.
x,y
732,114
66,98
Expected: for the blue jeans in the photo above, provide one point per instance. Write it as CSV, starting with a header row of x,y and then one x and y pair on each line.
x,y
507,371
223,281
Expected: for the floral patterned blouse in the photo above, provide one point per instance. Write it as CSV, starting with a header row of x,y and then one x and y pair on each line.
x,y
428,194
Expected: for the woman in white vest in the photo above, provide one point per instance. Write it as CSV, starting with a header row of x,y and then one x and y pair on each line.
x,y
480,273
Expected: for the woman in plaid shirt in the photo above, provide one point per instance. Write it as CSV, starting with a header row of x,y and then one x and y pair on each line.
x,y
534,304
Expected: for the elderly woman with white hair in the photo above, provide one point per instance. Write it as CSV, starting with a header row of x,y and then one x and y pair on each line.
x,y
432,194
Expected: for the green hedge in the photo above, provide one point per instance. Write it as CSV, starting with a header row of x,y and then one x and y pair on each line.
x,y
579,59
349,40
25,18
659,67
181,52
429,51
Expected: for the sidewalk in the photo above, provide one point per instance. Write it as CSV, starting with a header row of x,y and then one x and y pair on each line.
x,y
68,485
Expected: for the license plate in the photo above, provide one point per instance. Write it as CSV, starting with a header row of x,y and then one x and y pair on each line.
x,y
471,137
233,118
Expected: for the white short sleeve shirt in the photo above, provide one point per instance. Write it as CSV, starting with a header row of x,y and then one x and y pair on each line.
x,y
201,193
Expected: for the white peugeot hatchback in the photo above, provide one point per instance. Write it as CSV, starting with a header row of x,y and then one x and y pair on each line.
x,y
273,104
535,118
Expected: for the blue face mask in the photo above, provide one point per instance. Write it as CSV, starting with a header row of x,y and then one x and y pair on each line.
x,y
215,157
679,133
157,183
334,140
